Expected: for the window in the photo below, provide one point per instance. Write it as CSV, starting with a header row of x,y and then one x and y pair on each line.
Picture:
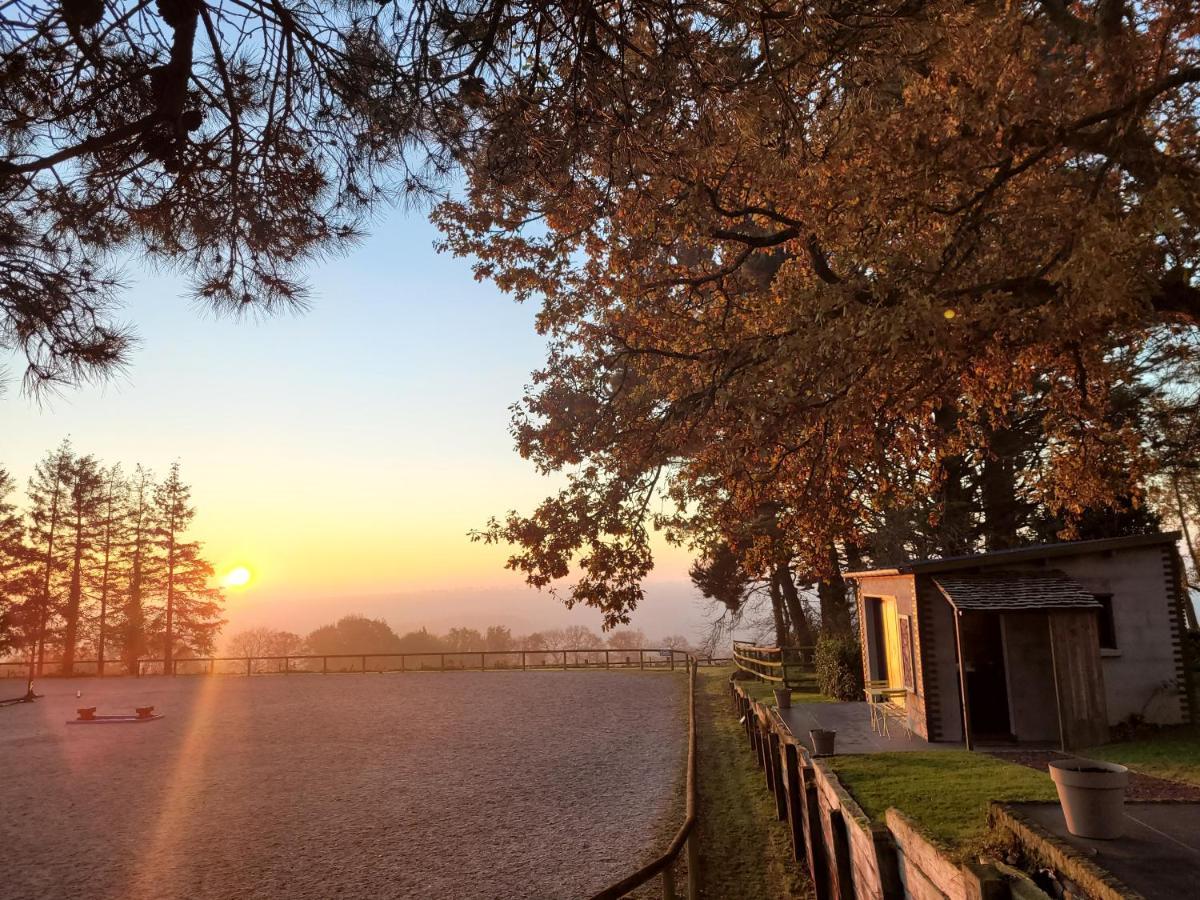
x,y
1108,625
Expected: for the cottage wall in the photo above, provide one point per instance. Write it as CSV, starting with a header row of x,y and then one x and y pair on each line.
x,y
1143,676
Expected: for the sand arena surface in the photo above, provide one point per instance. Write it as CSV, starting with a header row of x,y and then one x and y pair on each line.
x,y
457,785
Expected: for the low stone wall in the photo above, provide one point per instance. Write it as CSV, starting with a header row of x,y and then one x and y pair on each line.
x,y
848,856
1079,874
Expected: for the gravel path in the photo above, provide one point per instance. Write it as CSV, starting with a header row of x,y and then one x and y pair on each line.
x,y
463,785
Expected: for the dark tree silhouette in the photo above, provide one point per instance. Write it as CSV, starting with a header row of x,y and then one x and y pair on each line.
x,y
16,572
233,141
48,500
84,499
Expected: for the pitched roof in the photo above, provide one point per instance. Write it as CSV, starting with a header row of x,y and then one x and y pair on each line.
x,y
1015,591
1019,554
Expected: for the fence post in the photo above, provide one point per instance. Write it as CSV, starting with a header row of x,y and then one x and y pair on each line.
x,y
522,660
324,665
888,863
564,660
777,776
672,660
791,785
693,864
841,855
443,663
287,665
174,667
607,664
668,881
483,662
642,659
247,665
814,838
364,665
403,660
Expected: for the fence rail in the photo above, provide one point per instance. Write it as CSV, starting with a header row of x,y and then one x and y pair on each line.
x,y
685,837
435,661
784,665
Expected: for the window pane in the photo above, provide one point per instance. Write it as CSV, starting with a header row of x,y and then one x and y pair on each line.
x,y
1108,626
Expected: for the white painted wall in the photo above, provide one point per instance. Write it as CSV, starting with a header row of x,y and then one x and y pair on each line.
x,y
1140,676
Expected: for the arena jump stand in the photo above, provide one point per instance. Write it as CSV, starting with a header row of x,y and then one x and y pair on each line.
x,y
87,716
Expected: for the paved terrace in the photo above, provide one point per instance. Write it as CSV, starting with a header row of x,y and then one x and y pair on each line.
x,y
852,722
1159,856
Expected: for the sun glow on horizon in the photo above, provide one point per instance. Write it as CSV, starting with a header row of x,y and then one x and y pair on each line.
x,y
238,576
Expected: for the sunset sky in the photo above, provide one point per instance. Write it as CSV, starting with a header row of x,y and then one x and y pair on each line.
x,y
343,452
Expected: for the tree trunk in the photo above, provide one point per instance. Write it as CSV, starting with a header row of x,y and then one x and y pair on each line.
x,y
998,493
791,597
835,608
168,650
781,629
953,532
71,631
1189,608
104,573
47,571
134,621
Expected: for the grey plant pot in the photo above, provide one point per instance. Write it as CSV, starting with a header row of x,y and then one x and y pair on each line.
x,y
1092,794
783,698
822,741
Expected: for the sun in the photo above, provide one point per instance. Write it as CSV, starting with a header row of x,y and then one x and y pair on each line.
x,y
239,576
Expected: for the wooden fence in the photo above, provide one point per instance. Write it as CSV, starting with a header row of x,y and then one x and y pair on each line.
x,y
436,661
848,856
685,838
784,665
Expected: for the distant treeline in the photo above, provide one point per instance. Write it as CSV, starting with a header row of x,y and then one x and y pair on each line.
x,y
355,634
97,564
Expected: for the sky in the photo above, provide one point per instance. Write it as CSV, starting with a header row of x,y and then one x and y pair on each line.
x,y
341,454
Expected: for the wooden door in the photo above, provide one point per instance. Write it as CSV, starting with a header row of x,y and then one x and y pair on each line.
x,y
1078,678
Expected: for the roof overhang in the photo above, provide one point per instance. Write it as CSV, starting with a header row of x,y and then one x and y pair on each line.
x,y
1014,592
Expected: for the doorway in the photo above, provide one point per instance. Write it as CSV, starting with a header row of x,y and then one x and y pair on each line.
x,y
985,675
883,640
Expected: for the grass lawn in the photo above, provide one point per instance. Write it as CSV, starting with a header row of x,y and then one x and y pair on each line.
x,y
744,850
946,793
1172,753
808,693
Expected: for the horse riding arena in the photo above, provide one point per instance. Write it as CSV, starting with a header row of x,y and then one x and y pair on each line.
x,y
467,785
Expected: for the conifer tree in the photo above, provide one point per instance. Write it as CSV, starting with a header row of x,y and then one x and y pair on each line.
x,y
195,603
48,500
15,572
138,549
84,499
191,609
173,514
111,539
